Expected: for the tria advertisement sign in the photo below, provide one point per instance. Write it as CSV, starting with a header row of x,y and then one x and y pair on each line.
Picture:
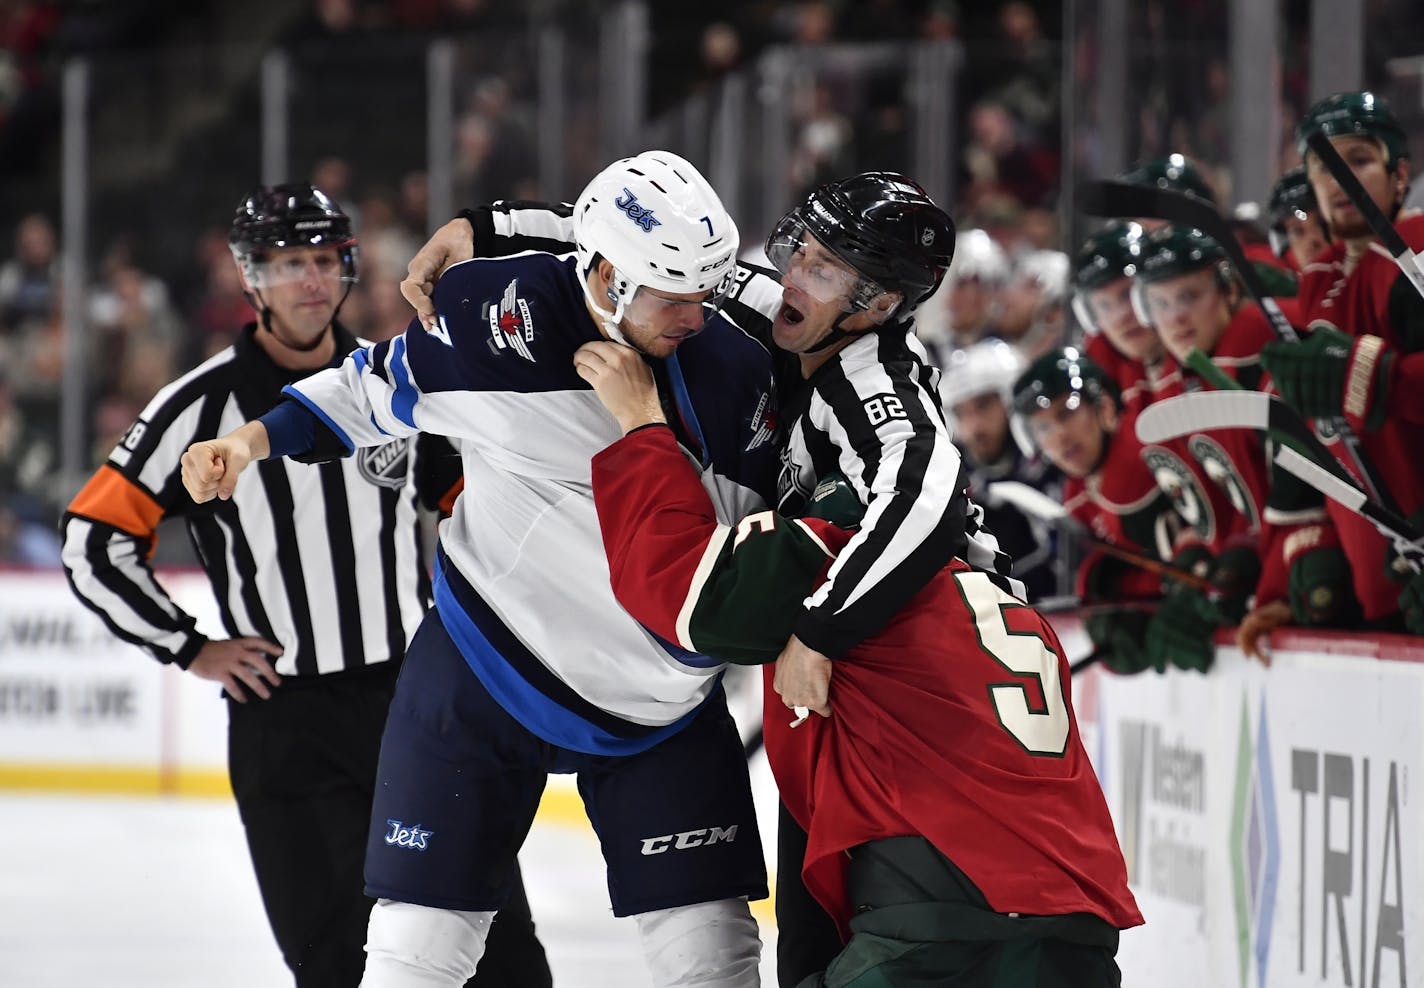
x,y
1267,819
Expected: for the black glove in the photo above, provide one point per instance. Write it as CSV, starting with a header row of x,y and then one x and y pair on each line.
x,y
1235,572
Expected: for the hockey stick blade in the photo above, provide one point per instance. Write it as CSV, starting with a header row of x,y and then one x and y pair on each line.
x,y
1199,411
1029,500
1038,505
1406,538
1299,452
1203,411
1409,262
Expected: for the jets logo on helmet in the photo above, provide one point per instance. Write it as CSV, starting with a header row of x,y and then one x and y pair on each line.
x,y
636,212
680,241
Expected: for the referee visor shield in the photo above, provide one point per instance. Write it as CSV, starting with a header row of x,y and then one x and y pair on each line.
x,y
273,267
805,264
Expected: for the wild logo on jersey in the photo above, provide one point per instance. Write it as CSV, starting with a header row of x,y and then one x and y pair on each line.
x,y
511,326
1218,466
385,466
1178,482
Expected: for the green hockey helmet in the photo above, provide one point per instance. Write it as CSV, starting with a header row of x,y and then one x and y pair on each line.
x,y
1355,114
1113,252
1173,172
1057,373
1172,252
1291,197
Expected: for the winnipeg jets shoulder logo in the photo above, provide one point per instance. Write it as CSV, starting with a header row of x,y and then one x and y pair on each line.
x,y
763,423
511,326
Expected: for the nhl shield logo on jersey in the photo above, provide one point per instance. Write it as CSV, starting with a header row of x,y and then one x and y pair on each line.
x,y
511,326
1178,482
385,466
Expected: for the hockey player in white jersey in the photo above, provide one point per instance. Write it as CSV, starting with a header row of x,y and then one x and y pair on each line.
x,y
527,665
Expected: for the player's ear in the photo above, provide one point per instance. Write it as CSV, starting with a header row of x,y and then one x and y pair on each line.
x,y
1108,416
884,306
1401,180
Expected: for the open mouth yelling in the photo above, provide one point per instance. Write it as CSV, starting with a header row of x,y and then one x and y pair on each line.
x,y
790,314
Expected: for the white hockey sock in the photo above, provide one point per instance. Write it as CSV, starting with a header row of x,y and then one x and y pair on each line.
x,y
410,946
707,945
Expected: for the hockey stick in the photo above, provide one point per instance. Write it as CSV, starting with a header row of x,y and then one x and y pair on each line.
x,y
1111,199
1298,452
1034,502
1410,263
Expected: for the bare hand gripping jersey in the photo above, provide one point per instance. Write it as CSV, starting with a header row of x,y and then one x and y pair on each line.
x,y
953,722
522,580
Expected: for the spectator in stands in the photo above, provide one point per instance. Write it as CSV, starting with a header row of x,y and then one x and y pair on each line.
x,y
1000,159
29,281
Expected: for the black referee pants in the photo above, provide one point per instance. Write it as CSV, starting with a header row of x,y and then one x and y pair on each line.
x,y
303,768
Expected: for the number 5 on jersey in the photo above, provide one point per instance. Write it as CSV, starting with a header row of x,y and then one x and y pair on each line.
x,y
1040,728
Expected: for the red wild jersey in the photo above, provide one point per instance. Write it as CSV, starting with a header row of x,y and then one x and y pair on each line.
x,y
953,722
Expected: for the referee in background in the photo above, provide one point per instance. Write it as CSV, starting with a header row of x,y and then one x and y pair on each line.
x,y
320,579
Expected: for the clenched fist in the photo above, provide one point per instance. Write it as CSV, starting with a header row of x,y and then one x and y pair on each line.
x,y
211,467
623,382
454,242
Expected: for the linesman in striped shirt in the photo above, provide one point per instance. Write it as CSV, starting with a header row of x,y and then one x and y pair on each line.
x,y
320,579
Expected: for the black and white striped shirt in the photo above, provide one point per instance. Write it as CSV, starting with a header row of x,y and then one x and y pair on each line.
x,y
324,560
871,412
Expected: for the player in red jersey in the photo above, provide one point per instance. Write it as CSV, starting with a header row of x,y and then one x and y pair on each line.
x,y
1142,498
1297,236
1364,358
1274,540
909,836
1115,339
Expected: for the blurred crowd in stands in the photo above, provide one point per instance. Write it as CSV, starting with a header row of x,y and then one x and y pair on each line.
x,y
152,316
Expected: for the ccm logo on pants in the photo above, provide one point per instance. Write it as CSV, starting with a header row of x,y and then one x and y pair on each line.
x,y
690,838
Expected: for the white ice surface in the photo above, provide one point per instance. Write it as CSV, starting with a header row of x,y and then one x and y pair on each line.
x,y
142,892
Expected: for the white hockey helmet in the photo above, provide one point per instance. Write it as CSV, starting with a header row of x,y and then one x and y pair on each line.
x,y
978,256
662,227
1049,270
986,367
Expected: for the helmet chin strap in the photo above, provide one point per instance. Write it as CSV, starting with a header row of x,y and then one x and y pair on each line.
x,y
610,320
834,336
266,317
